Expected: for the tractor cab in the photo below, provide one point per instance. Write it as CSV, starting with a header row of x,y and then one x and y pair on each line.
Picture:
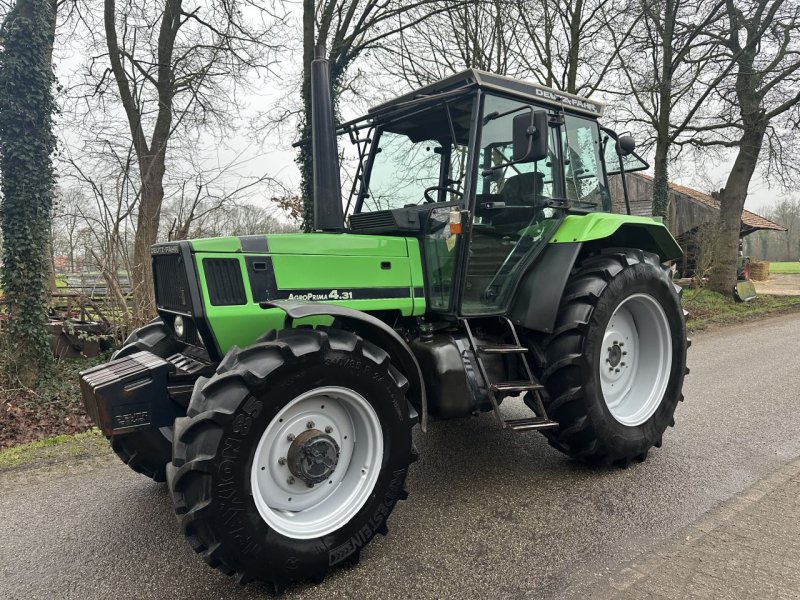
x,y
483,169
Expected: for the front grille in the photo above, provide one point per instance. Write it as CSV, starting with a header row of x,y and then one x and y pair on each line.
x,y
171,283
224,280
372,220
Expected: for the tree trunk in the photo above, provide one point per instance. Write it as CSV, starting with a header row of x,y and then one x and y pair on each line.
x,y
663,141
26,182
152,196
723,271
661,181
573,55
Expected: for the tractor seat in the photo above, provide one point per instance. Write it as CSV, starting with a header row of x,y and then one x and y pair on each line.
x,y
521,193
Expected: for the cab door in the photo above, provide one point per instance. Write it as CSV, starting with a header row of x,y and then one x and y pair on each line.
x,y
513,214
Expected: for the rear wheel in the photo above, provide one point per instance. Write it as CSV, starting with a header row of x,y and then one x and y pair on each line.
x,y
147,451
292,456
614,366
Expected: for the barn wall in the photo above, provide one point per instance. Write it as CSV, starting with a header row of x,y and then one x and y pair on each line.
x,y
684,213
640,194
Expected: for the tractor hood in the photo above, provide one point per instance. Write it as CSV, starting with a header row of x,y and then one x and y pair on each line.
x,y
328,244
220,284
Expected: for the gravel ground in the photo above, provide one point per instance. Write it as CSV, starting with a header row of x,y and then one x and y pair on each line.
x,y
779,284
490,513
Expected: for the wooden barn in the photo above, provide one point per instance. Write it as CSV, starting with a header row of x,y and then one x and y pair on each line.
x,y
689,209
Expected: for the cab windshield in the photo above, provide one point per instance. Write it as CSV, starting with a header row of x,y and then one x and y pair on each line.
x,y
419,158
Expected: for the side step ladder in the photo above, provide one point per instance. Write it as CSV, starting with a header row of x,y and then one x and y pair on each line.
x,y
505,388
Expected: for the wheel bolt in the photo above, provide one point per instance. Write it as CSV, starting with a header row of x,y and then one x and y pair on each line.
x,y
329,429
616,370
311,485
310,425
624,353
622,364
290,437
622,343
281,461
290,481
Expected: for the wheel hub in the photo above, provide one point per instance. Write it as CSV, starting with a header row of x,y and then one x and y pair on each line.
x,y
614,354
313,456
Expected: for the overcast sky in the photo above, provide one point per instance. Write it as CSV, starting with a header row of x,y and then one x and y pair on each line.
x,y
272,154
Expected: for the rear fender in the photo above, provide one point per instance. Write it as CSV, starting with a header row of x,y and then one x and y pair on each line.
x,y
371,329
619,231
542,286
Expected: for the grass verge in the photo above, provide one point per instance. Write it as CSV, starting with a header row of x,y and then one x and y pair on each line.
x,y
792,267
54,449
709,308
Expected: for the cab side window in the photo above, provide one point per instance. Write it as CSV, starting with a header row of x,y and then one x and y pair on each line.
x,y
583,171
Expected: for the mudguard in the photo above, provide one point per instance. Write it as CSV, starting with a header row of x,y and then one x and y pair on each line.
x,y
619,231
539,293
541,287
370,328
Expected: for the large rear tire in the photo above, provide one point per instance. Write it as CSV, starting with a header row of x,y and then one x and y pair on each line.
x,y
267,478
614,366
147,451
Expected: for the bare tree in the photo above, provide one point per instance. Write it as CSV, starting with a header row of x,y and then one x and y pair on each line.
x,y
572,45
349,29
200,192
474,35
105,200
665,75
762,37
174,69
67,225
787,213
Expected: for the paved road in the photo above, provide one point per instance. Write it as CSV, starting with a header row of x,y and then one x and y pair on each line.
x,y
490,514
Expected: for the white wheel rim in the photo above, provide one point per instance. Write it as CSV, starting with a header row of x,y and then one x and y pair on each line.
x,y
294,509
636,359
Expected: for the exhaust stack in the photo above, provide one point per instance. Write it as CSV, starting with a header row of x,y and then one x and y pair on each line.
x,y
328,213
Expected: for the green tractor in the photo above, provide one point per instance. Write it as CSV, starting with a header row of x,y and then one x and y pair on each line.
x,y
479,263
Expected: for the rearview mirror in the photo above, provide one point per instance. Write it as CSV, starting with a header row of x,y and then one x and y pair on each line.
x,y
530,137
625,145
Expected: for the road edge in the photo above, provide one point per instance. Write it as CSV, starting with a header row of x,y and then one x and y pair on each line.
x,y
647,563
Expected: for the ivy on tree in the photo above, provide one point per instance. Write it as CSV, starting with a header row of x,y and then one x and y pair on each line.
x,y
27,144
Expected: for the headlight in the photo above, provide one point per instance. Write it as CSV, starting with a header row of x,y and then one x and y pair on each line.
x,y
180,328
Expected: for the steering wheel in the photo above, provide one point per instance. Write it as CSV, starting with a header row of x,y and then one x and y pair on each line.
x,y
429,199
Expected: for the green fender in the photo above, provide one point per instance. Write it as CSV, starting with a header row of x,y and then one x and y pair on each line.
x,y
541,287
370,328
621,231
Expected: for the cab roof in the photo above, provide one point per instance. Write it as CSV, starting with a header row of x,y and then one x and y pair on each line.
x,y
474,78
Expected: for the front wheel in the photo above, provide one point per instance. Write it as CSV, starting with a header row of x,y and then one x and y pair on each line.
x,y
614,366
292,456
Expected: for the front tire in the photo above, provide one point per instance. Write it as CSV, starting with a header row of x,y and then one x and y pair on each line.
x,y
266,476
614,366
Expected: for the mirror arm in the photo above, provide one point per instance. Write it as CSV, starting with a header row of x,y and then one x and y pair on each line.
x,y
624,183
